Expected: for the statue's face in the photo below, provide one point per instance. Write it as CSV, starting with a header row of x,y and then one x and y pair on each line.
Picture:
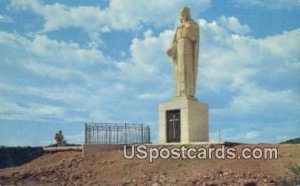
x,y
184,13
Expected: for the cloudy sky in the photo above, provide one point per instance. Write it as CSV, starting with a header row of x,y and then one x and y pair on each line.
x,y
69,62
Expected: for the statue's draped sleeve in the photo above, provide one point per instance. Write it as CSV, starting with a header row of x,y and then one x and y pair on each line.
x,y
196,58
193,35
174,47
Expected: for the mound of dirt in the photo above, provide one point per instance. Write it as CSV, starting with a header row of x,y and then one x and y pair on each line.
x,y
110,168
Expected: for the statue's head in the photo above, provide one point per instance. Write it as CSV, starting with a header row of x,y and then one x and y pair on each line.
x,y
185,14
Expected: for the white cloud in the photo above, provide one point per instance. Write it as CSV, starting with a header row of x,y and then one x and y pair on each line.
x,y
154,96
13,40
77,103
233,25
234,135
284,46
46,70
62,51
251,134
156,12
75,138
271,4
267,105
29,111
6,19
147,57
254,70
120,14
53,50
231,63
222,62
72,95
43,61
255,80
227,65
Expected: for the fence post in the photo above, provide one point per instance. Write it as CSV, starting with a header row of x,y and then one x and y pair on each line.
x,y
148,128
85,131
125,135
97,133
106,134
109,134
117,134
142,133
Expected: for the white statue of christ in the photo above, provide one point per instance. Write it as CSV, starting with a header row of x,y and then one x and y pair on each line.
x,y
184,53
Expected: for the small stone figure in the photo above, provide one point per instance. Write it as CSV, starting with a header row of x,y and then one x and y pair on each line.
x,y
59,138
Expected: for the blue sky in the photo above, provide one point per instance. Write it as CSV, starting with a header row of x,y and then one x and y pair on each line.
x,y
64,63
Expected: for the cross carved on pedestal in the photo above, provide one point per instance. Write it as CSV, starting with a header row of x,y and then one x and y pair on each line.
x,y
173,122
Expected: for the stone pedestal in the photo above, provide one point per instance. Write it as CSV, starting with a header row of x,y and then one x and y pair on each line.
x,y
193,119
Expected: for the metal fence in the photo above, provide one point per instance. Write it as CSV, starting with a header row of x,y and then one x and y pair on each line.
x,y
116,133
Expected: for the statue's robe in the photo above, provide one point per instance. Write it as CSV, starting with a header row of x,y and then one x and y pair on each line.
x,y
185,57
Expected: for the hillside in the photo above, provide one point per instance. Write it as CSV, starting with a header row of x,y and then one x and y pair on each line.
x,y
292,141
110,168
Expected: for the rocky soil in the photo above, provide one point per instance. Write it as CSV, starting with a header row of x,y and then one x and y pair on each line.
x,y
110,168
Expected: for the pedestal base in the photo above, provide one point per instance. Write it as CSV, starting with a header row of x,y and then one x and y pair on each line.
x,y
193,120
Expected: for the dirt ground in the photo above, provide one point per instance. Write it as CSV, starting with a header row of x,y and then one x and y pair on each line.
x,y
110,168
